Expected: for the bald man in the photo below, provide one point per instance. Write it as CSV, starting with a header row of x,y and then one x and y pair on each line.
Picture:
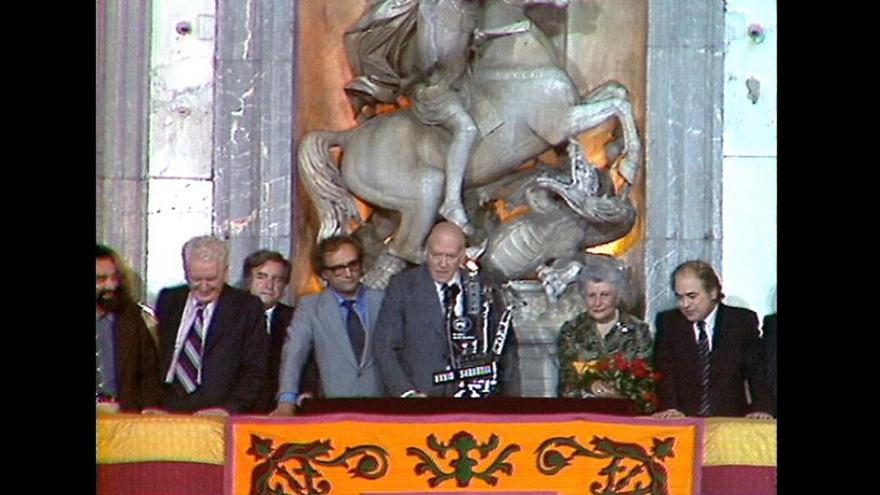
x,y
411,342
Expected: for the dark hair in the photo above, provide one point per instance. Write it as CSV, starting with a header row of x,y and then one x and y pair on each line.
x,y
703,271
260,258
332,244
123,273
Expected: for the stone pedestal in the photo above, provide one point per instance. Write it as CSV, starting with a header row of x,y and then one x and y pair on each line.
x,y
537,324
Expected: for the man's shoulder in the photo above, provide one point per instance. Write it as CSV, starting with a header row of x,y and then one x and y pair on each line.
x,y
409,276
310,300
235,296
174,290
736,313
282,313
670,315
172,295
370,292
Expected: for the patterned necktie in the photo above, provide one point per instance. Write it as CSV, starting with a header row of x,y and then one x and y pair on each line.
x,y
189,362
355,328
703,348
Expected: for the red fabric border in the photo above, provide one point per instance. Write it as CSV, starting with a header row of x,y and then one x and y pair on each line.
x,y
737,480
159,478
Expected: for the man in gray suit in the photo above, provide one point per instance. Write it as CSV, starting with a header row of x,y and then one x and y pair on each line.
x,y
411,342
338,323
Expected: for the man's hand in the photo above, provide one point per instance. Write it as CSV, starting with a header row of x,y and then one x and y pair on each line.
x,y
759,415
302,398
283,409
217,412
668,414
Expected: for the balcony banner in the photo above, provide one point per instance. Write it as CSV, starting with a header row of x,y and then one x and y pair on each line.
x,y
561,454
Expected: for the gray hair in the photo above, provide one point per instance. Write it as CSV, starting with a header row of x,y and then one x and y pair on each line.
x,y
206,248
600,268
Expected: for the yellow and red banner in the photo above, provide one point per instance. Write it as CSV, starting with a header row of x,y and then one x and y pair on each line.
x,y
563,454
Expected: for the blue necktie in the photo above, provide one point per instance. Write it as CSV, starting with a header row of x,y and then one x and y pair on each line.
x,y
355,328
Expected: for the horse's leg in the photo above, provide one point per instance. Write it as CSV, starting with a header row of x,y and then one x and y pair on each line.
x,y
418,216
606,101
418,211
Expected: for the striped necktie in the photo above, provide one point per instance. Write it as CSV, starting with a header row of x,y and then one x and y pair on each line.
x,y
703,348
189,362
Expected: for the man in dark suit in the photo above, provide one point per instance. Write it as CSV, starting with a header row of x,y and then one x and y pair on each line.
x,y
726,337
411,337
336,324
126,358
769,337
266,275
212,337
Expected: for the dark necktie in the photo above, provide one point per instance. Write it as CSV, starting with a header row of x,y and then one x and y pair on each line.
x,y
703,348
450,292
189,362
355,328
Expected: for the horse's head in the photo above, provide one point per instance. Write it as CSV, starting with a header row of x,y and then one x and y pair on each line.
x,y
513,40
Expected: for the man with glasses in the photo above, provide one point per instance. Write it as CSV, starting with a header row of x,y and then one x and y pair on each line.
x,y
337,324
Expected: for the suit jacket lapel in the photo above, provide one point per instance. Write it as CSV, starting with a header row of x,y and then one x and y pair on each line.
x,y
718,329
690,341
334,326
718,334
217,326
176,305
374,303
433,311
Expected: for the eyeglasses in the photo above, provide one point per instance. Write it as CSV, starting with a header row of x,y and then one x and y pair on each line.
x,y
339,270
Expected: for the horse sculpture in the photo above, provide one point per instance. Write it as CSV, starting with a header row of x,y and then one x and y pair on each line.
x,y
524,103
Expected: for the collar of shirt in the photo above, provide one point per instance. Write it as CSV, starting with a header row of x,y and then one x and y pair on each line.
x,y
269,313
710,326
360,304
459,299
108,316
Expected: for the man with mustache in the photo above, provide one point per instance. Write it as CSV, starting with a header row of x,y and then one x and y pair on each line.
x,y
126,360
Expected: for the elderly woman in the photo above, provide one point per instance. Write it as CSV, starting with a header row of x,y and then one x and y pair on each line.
x,y
601,330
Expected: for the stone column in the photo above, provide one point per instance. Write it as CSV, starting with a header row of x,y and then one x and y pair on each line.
x,y
253,110
683,140
121,89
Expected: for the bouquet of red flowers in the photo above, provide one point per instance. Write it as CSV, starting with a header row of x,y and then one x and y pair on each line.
x,y
618,376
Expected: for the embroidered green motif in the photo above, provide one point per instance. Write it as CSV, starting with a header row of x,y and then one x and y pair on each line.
x,y
372,464
631,470
463,471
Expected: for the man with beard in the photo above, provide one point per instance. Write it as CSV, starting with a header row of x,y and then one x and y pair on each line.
x,y
126,361
266,275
